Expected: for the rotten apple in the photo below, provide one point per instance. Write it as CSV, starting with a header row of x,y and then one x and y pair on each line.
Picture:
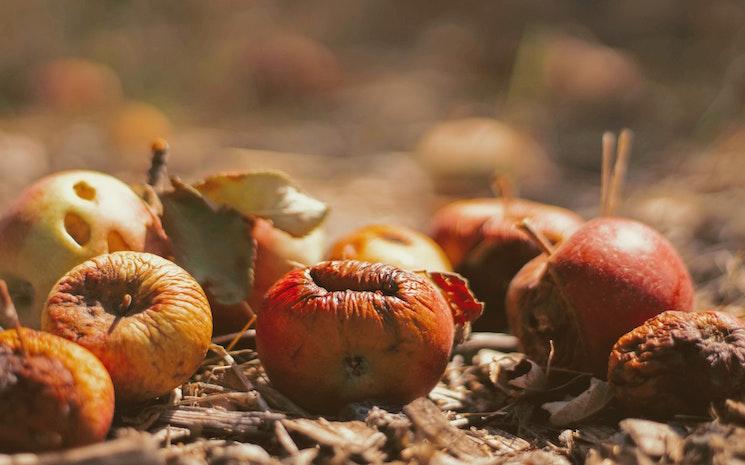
x,y
483,242
348,331
62,220
606,279
55,394
146,318
395,245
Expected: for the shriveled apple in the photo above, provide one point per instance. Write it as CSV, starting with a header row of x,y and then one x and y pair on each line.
x,y
348,331
55,394
147,319
63,220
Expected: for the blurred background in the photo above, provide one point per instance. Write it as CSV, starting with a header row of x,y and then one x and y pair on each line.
x,y
387,109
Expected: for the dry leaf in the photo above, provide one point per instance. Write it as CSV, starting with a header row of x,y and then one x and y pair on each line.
x,y
515,373
582,407
269,195
215,246
463,304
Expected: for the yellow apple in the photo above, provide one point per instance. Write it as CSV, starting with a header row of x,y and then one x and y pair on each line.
x,y
63,220
394,245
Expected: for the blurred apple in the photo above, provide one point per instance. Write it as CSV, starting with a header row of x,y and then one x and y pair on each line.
x,y
63,220
584,72
483,242
460,154
289,65
22,159
394,245
76,84
134,125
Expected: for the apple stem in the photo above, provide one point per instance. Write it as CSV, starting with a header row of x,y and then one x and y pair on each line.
x,y
158,163
619,169
537,237
609,142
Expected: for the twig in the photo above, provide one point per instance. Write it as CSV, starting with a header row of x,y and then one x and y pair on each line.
x,y
609,143
619,169
158,163
221,422
226,338
245,328
125,451
220,350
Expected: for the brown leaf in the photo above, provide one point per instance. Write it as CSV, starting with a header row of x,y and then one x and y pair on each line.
x,y
515,373
270,195
582,407
215,245
8,314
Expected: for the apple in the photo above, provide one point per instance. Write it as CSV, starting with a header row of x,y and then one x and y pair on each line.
x,y
62,220
277,252
483,242
55,394
395,245
134,125
606,279
463,153
76,84
143,316
348,331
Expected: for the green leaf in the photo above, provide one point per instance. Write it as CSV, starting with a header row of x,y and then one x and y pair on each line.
x,y
266,194
215,245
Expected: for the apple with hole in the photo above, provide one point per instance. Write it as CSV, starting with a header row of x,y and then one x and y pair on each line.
x,y
394,245
55,394
483,242
143,316
277,253
608,278
62,220
348,331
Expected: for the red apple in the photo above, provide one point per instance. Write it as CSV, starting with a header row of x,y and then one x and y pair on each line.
x,y
606,279
483,242
349,331
394,245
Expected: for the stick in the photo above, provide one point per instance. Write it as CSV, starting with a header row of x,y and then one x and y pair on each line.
x,y
158,163
245,328
619,169
609,143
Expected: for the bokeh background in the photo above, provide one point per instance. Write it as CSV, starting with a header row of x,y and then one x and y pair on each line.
x,y
387,109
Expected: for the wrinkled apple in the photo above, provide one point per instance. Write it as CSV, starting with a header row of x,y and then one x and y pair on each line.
x,y
146,318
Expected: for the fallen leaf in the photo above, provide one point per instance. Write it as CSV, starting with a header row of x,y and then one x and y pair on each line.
x,y
215,245
516,373
266,194
594,399
463,304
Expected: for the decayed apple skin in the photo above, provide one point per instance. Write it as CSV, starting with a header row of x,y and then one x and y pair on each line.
x,y
347,331
394,245
608,278
483,242
62,220
277,252
55,394
162,330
